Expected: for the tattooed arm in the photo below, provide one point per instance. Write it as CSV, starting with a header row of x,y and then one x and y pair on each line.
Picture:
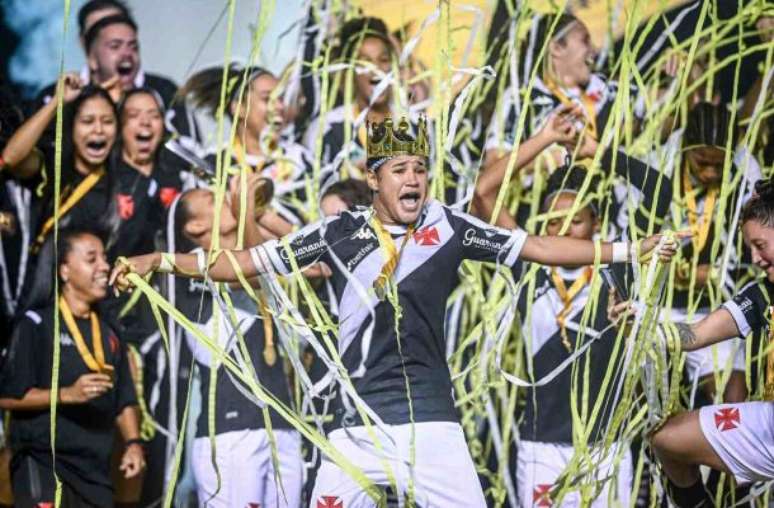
x,y
716,327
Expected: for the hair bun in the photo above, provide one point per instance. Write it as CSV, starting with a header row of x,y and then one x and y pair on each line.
x,y
765,188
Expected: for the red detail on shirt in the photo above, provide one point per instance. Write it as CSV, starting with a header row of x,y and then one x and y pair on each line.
x,y
125,206
167,195
727,418
330,502
427,236
253,505
541,495
113,340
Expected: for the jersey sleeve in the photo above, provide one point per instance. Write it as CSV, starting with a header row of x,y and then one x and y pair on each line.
x,y
481,241
126,393
21,365
748,308
307,246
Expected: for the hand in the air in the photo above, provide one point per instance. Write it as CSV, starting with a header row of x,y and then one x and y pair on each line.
x,y
559,127
72,87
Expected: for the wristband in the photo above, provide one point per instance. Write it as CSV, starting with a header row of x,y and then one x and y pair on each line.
x,y
201,261
137,441
167,264
620,252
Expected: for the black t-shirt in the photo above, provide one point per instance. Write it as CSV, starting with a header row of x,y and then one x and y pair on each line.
x,y
426,275
233,409
749,307
84,432
547,414
141,203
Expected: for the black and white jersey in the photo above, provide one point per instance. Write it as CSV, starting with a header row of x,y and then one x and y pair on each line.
x,y
233,409
547,415
381,363
751,308
542,102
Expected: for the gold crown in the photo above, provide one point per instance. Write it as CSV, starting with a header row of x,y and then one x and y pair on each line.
x,y
382,141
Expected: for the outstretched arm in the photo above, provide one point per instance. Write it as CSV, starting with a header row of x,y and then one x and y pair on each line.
x,y
188,265
716,327
566,251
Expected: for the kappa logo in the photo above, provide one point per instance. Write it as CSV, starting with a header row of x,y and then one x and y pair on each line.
x,y
253,505
427,236
66,340
330,502
541,495
727,418
363,234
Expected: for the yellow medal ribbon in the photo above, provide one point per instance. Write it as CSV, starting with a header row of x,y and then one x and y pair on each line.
x,y
586,101
567,297
97,364
78,193
392,255
699,229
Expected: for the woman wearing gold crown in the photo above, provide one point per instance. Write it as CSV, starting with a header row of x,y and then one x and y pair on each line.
x,y
403,253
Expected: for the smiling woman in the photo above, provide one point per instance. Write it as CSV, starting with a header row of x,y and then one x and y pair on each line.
x,y
88,134
95,393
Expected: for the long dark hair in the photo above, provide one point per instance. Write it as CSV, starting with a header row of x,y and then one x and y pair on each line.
x,y
69,175
203,88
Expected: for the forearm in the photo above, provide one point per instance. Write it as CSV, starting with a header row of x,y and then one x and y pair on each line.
x,y
128,423
220,269
566,251
493,174
23,141
36,399
716,327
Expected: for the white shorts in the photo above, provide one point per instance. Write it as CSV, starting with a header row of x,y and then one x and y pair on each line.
x,y
729,354
538,465
246,471
743,437
442,476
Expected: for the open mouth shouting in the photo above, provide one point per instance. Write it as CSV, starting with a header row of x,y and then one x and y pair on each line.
x,y
125,71
144,141
410,201
97,149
